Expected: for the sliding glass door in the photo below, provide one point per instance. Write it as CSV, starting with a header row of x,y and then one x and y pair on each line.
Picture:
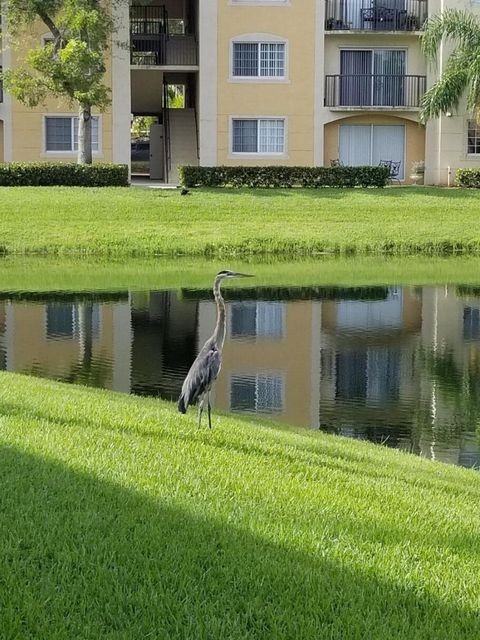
x,y
368,144
372,77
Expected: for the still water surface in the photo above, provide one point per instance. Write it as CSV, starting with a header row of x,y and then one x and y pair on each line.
x,y
398,366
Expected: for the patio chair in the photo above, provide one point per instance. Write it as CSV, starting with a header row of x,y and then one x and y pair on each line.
x,y
379,18
394,169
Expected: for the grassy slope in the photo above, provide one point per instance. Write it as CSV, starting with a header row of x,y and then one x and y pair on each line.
x,y
122,520
229,222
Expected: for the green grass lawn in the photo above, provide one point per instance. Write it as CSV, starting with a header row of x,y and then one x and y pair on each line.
x,y
121,520
229,223
46,274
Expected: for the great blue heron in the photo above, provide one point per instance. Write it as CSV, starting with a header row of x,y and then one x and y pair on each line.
x,y
206,366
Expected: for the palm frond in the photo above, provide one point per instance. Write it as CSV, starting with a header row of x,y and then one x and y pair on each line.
x,y
463,27
446,92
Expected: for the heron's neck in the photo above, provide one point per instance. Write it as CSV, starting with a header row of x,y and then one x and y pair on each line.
x,y
219,333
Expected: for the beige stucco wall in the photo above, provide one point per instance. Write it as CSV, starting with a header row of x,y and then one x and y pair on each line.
x,y
289,356
415,62
414,133
292,99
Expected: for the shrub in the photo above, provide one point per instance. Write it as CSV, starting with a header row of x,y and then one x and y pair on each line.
x,y
468,178
68,174
284,177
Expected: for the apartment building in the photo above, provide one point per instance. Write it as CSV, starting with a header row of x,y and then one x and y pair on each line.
x,y
295,82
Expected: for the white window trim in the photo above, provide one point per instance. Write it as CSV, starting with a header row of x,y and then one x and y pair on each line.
x,y
69,154
255,156
260,38
473,157
255,375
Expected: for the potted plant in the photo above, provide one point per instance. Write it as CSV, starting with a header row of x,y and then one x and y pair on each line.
x,y
417,171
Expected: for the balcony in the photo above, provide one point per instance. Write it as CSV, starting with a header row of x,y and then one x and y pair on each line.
x,y
157,41
1,87
376,91
370,15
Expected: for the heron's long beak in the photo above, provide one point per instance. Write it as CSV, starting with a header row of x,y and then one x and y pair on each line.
x,y
237,274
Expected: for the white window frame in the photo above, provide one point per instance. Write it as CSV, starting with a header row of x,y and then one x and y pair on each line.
x,y
69,154
467,154
259,39
255,155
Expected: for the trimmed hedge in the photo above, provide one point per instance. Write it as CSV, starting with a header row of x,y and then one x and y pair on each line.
x,y
284,177
68,174
468,178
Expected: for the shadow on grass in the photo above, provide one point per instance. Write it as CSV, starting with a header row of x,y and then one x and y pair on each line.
x,y
81,557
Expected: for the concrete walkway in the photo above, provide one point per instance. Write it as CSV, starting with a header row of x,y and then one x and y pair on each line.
x,y
146,183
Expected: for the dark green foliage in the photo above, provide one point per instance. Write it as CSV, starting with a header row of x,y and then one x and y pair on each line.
x,y
468,178
68,174
284,177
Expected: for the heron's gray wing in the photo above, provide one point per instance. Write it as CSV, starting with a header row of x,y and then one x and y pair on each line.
x,y
199,379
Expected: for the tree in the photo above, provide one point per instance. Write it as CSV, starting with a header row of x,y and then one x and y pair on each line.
x,y
71,64
462,71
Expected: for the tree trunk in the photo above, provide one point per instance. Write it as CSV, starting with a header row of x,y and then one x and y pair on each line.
x,y
85,134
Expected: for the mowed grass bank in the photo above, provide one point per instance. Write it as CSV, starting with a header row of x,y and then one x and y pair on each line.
x,y
121,519
46,273
231,223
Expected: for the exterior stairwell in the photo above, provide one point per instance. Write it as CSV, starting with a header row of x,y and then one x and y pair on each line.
x,y
183,141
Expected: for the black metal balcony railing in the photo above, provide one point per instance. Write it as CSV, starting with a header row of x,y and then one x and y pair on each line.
x,y
152,43
375,15
374,90
1,87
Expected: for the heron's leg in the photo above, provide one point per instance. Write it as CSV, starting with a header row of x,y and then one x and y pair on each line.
x,y
200,410
209,410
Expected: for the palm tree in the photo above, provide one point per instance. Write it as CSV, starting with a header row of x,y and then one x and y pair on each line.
x,y
462,70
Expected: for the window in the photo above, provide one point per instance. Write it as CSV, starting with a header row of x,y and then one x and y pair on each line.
x,y
252,319
258,136
260,393
473,137
61,133
372,77
258,60
368,144
59,320
471,323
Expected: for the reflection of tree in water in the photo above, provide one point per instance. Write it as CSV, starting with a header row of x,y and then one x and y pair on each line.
x,y
458,387
89,370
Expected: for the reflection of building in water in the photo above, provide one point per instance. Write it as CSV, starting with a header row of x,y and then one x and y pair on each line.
x,y
270,360
400,366
451,340
164,335
141,343
72,340
368,377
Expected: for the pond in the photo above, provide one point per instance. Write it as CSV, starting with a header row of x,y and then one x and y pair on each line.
x,y
396,365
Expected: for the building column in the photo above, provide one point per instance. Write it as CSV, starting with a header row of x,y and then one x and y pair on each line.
x,y
318,125
208,78
121,89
